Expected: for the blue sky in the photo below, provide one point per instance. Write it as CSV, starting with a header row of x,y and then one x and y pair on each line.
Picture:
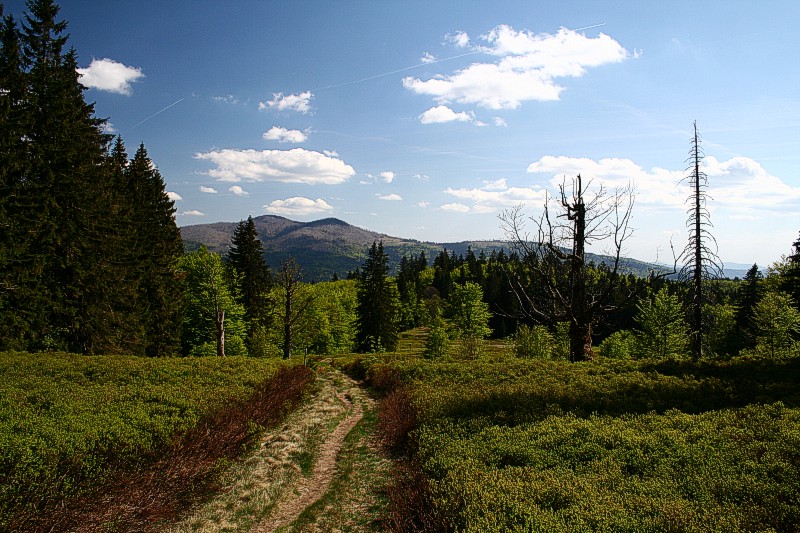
x,y
427,119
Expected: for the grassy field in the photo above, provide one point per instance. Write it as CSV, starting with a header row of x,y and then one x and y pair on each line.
x,y
70,424
502,444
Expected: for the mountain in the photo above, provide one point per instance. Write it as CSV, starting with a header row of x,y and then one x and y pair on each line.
x,y
331,246
322,247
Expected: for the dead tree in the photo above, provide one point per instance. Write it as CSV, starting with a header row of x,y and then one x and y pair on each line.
x,y
699,258
557,259
295,300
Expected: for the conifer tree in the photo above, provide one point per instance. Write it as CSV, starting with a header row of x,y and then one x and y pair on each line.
x,y
378,304
158,247
253,279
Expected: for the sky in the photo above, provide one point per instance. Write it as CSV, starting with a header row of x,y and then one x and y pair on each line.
x,y
427,120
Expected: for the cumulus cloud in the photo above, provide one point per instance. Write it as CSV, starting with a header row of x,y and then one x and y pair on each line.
x,y
282,135
736,184
442,113
459,39
108,128
109,75
391,197
387,176
208,190
495,196
193,213
297,205
290,102
285,166
526,67
238,191
427,58
174,196
458,208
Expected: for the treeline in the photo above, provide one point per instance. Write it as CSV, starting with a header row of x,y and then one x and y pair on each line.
x,y
88,240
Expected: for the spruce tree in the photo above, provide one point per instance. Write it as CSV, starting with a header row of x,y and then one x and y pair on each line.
x,y
252,275
158,247
378,304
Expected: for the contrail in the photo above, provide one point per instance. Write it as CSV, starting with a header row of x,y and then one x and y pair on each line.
x,y
159,112
590,27
397,71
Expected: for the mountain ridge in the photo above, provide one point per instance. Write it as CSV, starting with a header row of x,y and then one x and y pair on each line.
x,y
330,246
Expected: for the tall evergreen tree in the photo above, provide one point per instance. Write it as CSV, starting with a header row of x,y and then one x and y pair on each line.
x,y
378,304
253,279
158,248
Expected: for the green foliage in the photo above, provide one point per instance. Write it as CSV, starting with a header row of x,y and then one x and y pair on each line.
x,y
468,312
377,311
87,263
66,420
438,342
776,322
609,445
534,342
663,329
720,339
619,345
208,295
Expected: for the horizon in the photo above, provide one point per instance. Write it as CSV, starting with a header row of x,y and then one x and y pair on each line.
x,y
426,121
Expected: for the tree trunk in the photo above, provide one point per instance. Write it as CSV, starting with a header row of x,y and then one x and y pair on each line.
x,y
580,328
287,326
221,333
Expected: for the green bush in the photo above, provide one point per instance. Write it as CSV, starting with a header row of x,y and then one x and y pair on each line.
x,y
66,420
619,345
533,342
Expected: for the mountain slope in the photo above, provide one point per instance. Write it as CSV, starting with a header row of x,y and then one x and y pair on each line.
x,y
331,246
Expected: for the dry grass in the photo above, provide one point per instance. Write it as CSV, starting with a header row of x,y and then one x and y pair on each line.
x,y
255,487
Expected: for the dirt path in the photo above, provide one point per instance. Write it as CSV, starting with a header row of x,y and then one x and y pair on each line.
x,y
294,466
311,489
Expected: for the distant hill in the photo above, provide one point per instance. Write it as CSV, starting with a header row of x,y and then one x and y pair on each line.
x,y
331,246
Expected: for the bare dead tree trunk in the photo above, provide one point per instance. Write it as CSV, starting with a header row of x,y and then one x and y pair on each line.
x,y
558,260
220,323
701,261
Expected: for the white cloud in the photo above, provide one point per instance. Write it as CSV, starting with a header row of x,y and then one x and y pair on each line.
x,y
391,197
459,38
108,128
422,177
496,195
297,205
442,113
331,153
208,190
387,176
495,185
285,166
238,191
736,184
109,75
427,58
458,208
193,213
290,102
227,99
526,67
174,196
282,135
423,204
500,122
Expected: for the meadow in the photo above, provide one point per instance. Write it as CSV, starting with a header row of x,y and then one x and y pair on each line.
x,y
506,444
73,427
